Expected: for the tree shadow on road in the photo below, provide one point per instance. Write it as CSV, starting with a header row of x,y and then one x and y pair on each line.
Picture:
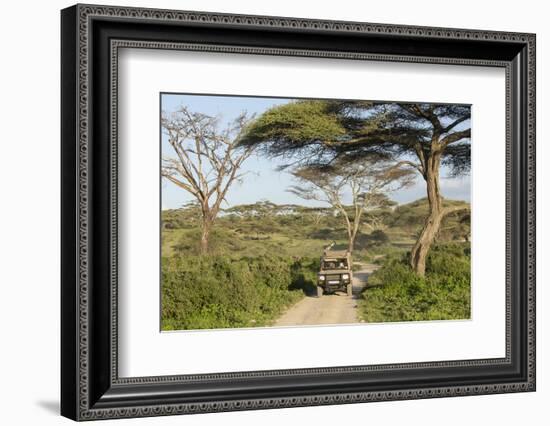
x,y
300,282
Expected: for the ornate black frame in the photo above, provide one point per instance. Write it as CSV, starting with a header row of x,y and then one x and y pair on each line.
x,y
91,37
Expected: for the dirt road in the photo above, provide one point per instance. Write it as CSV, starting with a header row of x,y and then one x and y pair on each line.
x,y
328,309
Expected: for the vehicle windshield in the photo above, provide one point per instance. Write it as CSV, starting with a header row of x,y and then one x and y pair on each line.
x,y
335,264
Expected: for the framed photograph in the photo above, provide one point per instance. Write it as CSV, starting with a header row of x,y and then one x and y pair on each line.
x,y
264,212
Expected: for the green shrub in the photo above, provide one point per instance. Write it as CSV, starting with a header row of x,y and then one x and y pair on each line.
x,y
218,292
395,293
304,275
376,238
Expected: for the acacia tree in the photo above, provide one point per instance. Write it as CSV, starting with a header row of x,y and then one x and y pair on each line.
x,y
207,159
365,184
375,221
421,136
425,136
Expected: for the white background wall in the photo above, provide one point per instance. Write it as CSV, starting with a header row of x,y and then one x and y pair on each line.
x,y
29,211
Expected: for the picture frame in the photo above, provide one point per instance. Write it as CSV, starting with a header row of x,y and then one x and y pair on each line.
x,y
90,385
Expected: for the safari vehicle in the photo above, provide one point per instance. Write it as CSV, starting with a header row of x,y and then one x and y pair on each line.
x,y
335,274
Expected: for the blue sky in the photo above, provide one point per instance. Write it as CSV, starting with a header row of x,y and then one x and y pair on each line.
x,y
263,181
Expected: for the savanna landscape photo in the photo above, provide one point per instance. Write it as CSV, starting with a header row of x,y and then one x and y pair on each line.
x,y
294,212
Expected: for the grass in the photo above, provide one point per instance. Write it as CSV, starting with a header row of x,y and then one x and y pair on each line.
x,y
396,293
235,244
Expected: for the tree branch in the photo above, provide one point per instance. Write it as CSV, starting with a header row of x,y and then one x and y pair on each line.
x,y
456,123
455,137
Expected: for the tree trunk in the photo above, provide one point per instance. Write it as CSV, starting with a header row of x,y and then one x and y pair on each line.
x,y
205,236
422,246
351,243
206,227
352,233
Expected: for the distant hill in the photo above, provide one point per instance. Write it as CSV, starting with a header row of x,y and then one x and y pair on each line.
x,y
267,228
411,215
